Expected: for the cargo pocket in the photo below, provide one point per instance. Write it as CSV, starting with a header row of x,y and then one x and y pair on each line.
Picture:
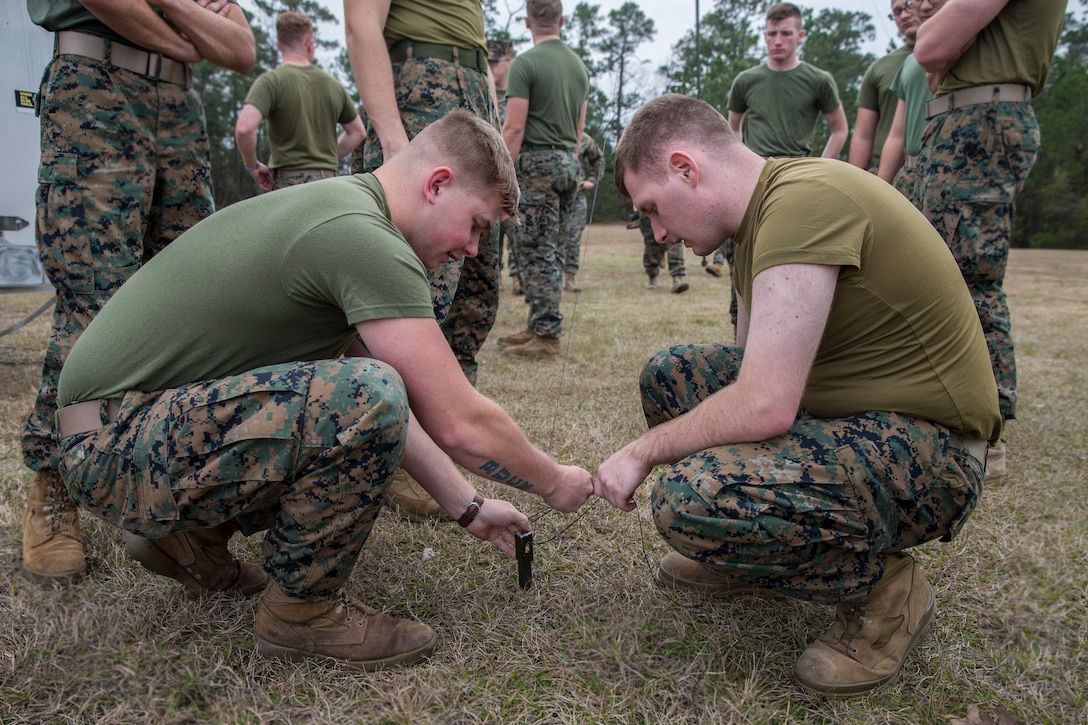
x,y
229,439
774,511
537,218
962,484
876,510
64,241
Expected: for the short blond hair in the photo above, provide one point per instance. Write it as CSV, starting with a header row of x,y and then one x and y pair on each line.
x,y
662,123
544,14
292,29
474,148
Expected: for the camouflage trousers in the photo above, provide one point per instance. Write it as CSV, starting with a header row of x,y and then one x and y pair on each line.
x,y
282,178
811,512
466,294
111,194
549,185
905,181
304,450
972,163
572,249
653,251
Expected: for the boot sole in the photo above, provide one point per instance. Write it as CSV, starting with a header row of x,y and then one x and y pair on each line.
x,y
156,560
60,578
272,650
859,688
533,355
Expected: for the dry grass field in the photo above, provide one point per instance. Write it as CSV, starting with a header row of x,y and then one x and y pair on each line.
x,y
594,640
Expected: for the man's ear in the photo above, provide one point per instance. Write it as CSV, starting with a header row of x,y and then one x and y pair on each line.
x,y
683,165
439,178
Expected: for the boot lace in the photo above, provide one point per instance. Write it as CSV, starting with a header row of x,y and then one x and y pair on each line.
x,y
57,508
351,608
854,621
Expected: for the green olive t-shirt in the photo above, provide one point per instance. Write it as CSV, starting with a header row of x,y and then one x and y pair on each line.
x,y
555,82
445,22
277,278
781,108
302,105
902,334
1017,46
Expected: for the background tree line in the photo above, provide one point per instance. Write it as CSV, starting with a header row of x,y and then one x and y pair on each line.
x,y
1052,211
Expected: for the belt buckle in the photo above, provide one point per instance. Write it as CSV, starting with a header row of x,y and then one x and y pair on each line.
x,y
154,65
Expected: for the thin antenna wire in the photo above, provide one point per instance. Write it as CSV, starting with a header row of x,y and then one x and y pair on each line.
x,y
573,317
563,375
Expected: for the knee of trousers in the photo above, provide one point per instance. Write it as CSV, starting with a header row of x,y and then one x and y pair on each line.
x,y
677,378
700,530
359,400
656,376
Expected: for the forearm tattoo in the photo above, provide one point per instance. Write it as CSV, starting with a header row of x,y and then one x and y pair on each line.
x,y
497,472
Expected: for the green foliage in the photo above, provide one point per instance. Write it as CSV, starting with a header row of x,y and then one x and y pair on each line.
x,y
222,92
1052,208
610,54
582,31
833,43
728,43
630,29
509,24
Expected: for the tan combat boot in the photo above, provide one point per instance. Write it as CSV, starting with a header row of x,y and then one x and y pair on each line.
x,y
198,559
652,282
341,629
540,346
869,641
52,550
679,285
680,572
412,500
714,270
518,338
569,283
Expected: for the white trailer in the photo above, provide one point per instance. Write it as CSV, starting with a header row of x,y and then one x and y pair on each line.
x,y
25,50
